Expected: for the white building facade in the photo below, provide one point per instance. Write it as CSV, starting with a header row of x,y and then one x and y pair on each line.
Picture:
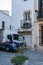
x,y
23,19
5,22
27,16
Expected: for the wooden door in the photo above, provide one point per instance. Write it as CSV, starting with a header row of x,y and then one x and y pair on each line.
x,y
42,35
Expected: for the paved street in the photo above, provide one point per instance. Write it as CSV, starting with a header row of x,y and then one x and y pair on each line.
x,y
35,57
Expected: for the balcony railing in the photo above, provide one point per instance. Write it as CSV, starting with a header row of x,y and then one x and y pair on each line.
x,y
26,24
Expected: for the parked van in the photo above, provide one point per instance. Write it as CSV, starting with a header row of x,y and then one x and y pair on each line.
x,y
12,41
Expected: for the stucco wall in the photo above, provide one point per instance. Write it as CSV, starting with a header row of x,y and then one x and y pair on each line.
x,y
6,18
36,4
35,20
18,8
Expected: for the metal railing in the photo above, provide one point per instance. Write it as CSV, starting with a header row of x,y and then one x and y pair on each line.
x,y
26,24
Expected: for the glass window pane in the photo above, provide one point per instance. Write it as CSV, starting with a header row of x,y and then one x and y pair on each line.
x,y
9,37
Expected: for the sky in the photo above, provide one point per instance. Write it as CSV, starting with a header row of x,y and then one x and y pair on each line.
x,y
6,5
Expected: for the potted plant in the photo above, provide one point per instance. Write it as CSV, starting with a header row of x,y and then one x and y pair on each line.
x,y
20,58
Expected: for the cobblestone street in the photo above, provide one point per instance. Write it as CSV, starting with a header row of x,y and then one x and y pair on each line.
x,y
35,57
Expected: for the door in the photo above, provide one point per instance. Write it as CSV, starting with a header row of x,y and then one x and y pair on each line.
x,y
28,39
42,35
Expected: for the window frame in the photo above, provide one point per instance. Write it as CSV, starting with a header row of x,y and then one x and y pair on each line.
x,y
3,24
27,17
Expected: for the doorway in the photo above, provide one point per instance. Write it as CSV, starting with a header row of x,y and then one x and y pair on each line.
x,y
41,36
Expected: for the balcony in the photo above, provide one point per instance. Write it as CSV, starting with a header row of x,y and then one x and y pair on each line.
x,y
26,24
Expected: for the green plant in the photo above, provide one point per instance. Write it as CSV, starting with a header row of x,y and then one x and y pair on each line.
x,y
19,60
21,49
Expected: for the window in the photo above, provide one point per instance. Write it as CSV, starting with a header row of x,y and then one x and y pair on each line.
x,y
10,27
27,15
3,25
9,37
15,37
41,8
18,37
25,0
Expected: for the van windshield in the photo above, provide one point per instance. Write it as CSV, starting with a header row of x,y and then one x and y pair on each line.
x,y
18,37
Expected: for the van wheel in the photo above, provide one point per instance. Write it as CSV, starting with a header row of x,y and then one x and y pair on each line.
x,y
7,49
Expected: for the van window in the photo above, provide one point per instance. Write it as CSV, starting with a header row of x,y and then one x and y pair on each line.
x,y
21,38
15,37
18,37
9,37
